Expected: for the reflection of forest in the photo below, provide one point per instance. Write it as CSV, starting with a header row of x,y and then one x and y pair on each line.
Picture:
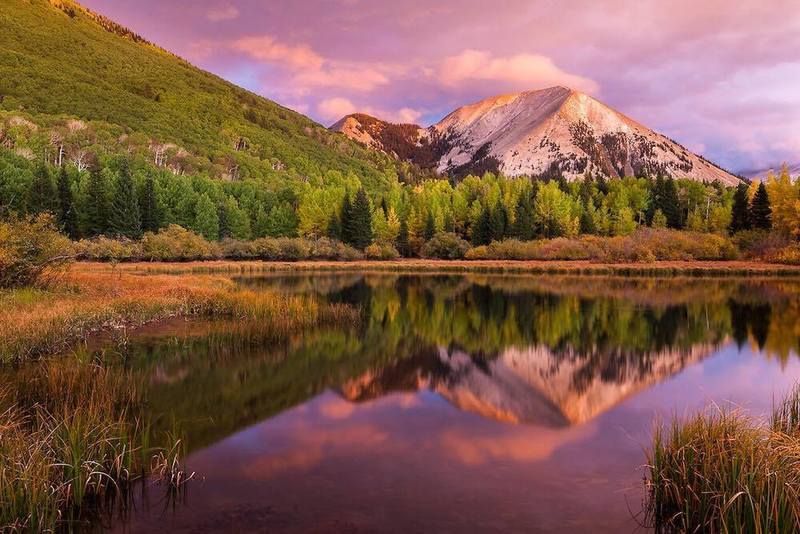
x,y
545,350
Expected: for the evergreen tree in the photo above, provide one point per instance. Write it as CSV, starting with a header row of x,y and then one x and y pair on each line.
x,y
499,222
671,204
760,209
124,219
360,222
524,224
430,227
335,227
482,231
67,216
740,213
97,204
587,222
664,197
346,220
148,206
403,246
206,220
42,192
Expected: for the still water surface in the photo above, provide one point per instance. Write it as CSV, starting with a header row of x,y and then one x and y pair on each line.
x,y
457,403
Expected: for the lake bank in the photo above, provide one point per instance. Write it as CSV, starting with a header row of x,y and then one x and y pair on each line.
x,y
657,268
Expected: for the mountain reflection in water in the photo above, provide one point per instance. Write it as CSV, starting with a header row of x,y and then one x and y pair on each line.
x,y
489,403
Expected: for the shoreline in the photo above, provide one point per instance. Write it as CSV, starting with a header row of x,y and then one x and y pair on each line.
x,y
575,267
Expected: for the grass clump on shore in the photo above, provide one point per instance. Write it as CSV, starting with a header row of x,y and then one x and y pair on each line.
x,y
724,471
73,441
47,321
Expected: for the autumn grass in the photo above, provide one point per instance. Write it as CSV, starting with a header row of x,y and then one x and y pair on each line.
x,y
41,322
574,267
723,471
73,441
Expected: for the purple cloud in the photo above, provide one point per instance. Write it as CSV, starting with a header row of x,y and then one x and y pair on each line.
x,y
720,77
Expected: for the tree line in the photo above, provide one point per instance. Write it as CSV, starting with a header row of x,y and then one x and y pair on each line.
x,y
126,199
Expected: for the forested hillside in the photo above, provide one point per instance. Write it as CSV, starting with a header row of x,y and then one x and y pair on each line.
x,y
74,85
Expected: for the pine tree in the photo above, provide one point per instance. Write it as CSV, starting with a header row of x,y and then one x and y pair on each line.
x,y
430,227
482,231
124,219
346,220
664,197
335,227
403,246
587,222
524,224
740,213
499,222
360,222
760,209
671,204
42,192
206,220
148,206
67,217
97,204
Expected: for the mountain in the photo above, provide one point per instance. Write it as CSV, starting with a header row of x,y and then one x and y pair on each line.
x,y
760,174
543,132
72,80
533,385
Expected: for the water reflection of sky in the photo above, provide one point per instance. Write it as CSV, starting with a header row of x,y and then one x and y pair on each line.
x,y
457,403
412,461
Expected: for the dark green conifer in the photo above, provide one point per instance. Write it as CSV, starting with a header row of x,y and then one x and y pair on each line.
x,y
403,247
148,206
335,227
482,231
430,227
67,215
42,192
97,204
360,221
124,219
740,213
760,209
499,222
524,219
346,219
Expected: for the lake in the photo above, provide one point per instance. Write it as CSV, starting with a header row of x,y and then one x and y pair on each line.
x,y
480,403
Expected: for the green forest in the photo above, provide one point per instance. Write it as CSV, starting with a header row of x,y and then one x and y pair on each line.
x,y
120,152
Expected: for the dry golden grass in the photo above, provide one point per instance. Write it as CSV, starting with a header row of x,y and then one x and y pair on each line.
x,y
86,301
662,268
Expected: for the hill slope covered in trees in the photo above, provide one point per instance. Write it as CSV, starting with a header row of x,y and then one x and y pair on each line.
x,y
74,84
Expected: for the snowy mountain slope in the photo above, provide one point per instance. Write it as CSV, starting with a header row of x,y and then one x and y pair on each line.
x,y
544,132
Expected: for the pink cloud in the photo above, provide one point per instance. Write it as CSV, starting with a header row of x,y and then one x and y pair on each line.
x,y
333,109
525,70
222,12
267,48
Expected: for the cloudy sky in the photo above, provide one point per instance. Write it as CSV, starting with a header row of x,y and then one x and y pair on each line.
x,y
721,77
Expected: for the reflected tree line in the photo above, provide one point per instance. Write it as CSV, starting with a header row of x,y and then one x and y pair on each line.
x,y
218,377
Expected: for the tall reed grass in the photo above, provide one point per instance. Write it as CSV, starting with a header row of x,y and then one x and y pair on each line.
x,y
724,471
43,322
73,440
